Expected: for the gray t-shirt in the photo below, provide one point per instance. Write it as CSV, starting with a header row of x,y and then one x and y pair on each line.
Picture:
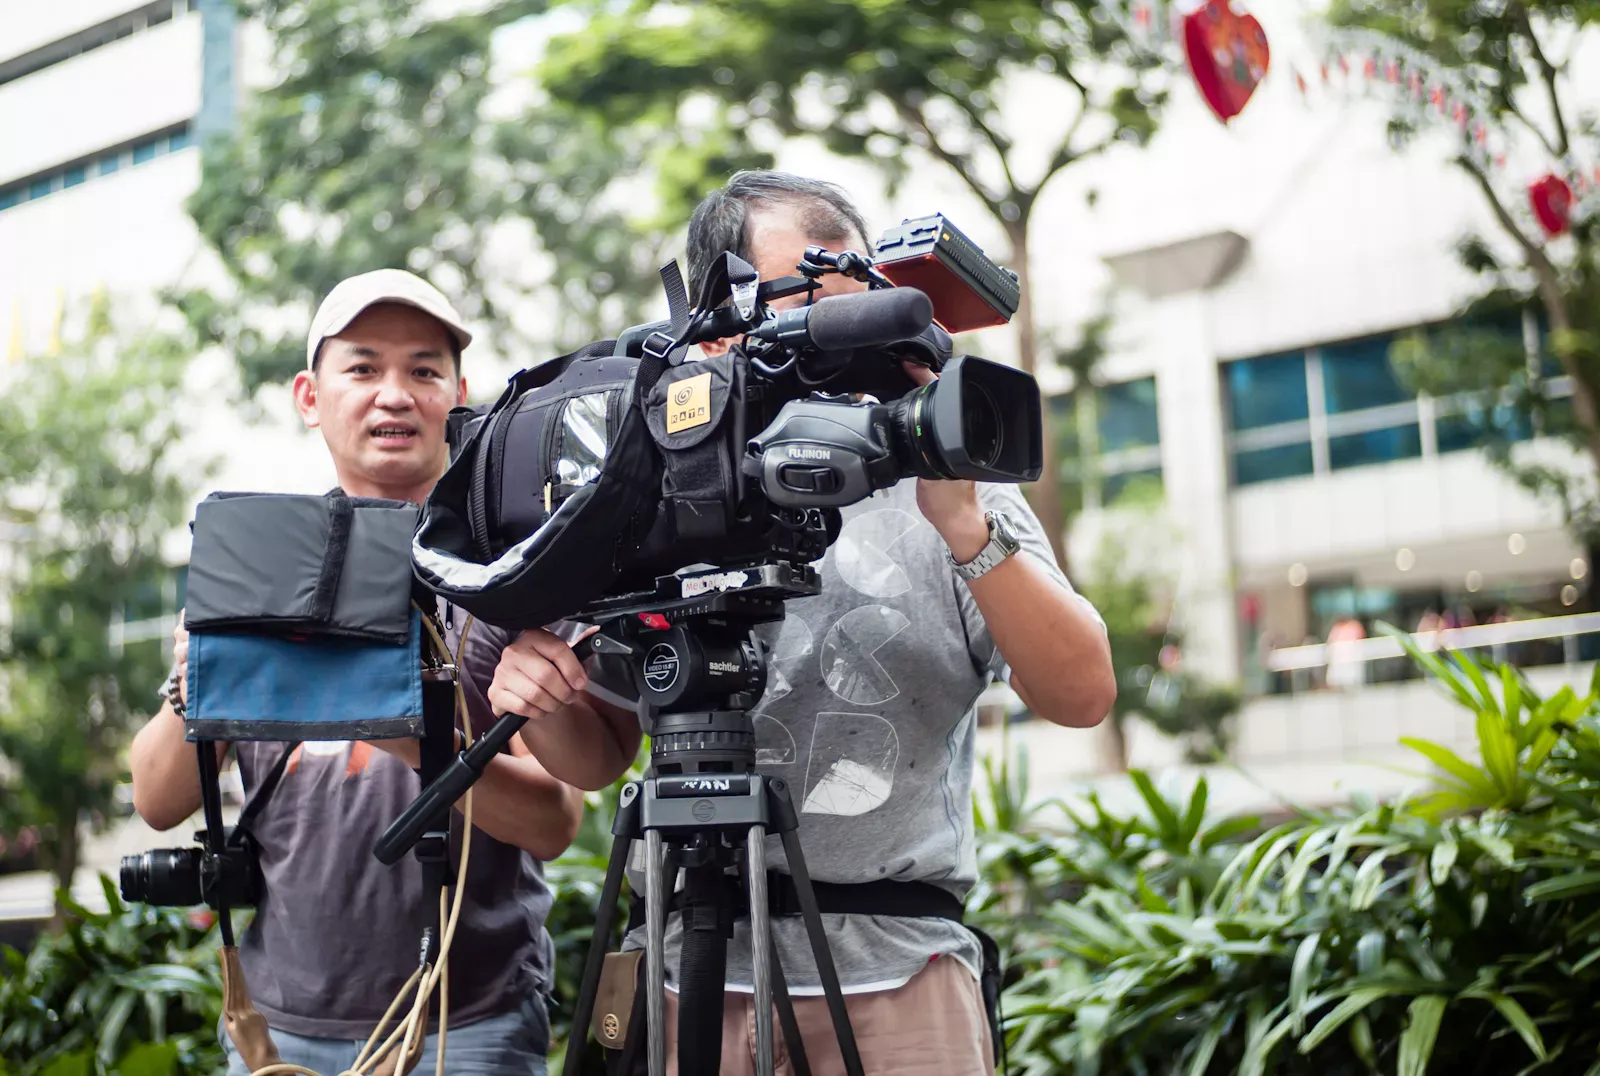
x,y
336,935
869,715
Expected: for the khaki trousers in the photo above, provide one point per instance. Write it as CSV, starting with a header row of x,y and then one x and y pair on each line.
x,y
934,1023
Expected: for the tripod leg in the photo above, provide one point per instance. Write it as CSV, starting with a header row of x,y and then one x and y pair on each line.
x,y
791,1026
655,899
760,945
625,825
824,956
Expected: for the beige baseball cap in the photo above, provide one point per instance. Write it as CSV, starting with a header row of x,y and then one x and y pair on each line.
x,y
354,294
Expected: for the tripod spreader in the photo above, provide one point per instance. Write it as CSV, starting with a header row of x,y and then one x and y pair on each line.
x,y
440,794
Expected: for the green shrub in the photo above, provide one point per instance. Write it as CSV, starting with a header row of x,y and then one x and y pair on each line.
x,y
134,991
1456,933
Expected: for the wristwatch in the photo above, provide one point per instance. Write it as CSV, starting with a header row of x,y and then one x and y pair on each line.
x,y
1003,542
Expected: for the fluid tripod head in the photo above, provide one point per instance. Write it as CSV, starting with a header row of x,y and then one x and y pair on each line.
x,y
691,651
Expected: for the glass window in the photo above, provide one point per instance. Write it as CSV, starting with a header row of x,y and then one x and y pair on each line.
x,y
1266,391
1127,415
39,188
10,197
110,163
74,176
1268,464
178,141
1467,429
1357,376
1375,446
144,151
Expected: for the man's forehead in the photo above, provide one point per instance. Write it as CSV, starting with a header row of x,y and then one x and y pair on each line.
x,y
771,221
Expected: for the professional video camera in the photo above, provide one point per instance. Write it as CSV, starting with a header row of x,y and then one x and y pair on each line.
x,y
679,504
597,473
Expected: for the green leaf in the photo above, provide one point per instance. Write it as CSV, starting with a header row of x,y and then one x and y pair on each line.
x,y
1370,952
1499,752
149,1059
74,1064
1196,814
1265,1032
1368,879
1422,1028
111,1026
1516,1016
1151,900
1300,980
1165,818
1476,780
1206,1047
1563,887
1487,702
1226,830
1308,854
1359,999
1511,692
1361,1041
1441,860
1497,847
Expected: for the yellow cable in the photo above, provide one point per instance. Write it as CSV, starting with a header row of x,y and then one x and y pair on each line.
x,y
444,1004
387,1016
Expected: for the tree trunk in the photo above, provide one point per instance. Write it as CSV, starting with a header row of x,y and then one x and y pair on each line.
x,y
1114,744
1045,494
65,863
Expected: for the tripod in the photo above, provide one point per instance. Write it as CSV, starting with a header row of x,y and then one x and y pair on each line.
x,y
698,668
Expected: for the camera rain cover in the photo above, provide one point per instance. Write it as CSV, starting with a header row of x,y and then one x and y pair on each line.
x,y
541,499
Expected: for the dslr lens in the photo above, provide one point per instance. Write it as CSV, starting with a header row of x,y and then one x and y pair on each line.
x,y
166,876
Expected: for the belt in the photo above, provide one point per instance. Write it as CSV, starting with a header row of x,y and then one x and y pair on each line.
x,y
906,900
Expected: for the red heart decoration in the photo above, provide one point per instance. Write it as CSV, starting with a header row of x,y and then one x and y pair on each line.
x,y
1227,54
1551,199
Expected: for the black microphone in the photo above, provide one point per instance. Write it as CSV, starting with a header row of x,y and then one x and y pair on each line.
x,y
846,322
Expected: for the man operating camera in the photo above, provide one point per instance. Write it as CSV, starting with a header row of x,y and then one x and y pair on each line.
x,y
333,939
932,588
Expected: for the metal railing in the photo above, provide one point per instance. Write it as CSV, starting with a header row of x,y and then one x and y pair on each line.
x,y
1318,655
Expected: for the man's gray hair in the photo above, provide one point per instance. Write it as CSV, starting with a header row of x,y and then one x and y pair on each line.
x,y
721,220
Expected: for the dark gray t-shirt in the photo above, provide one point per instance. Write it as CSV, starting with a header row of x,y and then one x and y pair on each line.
x,y
869,716
337,934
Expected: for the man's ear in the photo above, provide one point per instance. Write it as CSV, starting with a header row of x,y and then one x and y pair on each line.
x,y
461,392
305,398
712,349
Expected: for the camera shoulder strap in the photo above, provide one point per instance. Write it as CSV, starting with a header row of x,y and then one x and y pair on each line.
x,y
258,798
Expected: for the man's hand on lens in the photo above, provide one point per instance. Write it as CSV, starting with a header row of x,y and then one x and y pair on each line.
x,y
180,657
950,505
538,674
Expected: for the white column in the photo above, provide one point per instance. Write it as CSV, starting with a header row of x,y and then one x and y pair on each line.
x,y
1194,465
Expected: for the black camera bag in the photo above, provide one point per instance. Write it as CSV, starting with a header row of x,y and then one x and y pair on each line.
x,y
504,480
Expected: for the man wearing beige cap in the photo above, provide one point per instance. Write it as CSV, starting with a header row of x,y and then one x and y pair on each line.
x,y
334,938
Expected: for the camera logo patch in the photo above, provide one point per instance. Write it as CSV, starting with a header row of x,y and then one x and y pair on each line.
x,y
689,403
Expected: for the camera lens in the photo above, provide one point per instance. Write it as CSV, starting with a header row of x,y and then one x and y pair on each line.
x,y
166,876
911,432
982,431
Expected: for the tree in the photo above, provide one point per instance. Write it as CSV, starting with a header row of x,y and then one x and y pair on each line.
x,y
883,81
387,144
1513,60
88,489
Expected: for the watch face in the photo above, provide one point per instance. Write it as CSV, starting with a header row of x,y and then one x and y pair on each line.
x,y
1003,533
